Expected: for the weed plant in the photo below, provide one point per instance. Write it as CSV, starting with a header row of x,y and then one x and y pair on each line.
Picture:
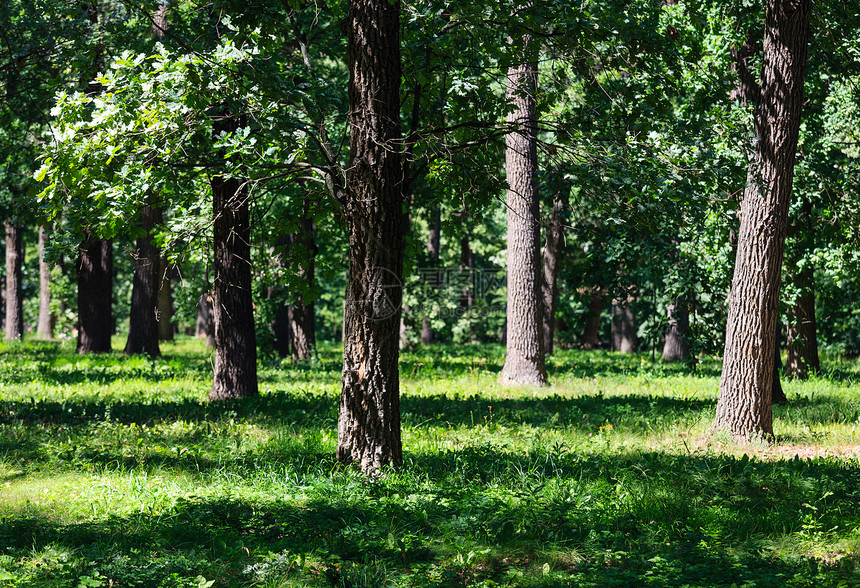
x,y
116,472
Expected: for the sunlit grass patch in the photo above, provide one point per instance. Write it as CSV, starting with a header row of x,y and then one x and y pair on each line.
x,y
117,471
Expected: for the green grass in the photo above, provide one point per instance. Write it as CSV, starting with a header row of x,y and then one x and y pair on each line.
x,y
117,472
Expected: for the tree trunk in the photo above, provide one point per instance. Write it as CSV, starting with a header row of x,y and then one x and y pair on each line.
x,y
143,320
624,339
675,346
166,329
205,327
47,319
369,417
433,251
280,324
777,393
591,333
744,408
551,254
14,282
302,314
235,343
525,359
95,296
802,343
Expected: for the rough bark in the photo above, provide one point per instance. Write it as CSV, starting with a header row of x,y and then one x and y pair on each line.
x,y
433,251
591,333
14,282
525,361
802,341
47,319
675,346
624,339
235,343
551,256
143,319
744,408
369,416
95,296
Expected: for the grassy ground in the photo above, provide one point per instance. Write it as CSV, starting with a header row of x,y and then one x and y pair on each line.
x,y
116,472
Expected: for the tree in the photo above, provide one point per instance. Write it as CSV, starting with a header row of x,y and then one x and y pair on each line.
x,y
95,295
14,282
233,309
524,359
143,319
369,416
744,408
47,318
551,254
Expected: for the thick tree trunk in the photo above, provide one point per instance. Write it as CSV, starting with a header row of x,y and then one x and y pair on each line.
x,y
95,296
47,319
591,333
433,250
14,282
525,359
235,343
551,255
802,343
369,417
744,408
675,346
143,320
624,339
166,328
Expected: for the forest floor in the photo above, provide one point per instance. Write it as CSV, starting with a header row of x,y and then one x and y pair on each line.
x,y
116,472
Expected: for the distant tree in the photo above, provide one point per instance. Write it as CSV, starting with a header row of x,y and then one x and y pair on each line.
x,y
14,282
47,319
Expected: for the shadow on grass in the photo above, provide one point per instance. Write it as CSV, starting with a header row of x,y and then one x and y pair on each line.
x,y
667,520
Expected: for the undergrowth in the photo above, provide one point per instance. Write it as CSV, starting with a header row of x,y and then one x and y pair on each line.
x,y
116,472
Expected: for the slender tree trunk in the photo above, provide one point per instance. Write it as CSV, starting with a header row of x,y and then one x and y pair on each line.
x,y
433,251
166,329
591,333
47,319
675,346
235,343
551,255
744,408
205,327
95,296
14,282
143,321
777,393
802,343
302,314
624,339
525,359
369,417
281,320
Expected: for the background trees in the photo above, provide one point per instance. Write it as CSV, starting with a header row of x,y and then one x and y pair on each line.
x,y
235,126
